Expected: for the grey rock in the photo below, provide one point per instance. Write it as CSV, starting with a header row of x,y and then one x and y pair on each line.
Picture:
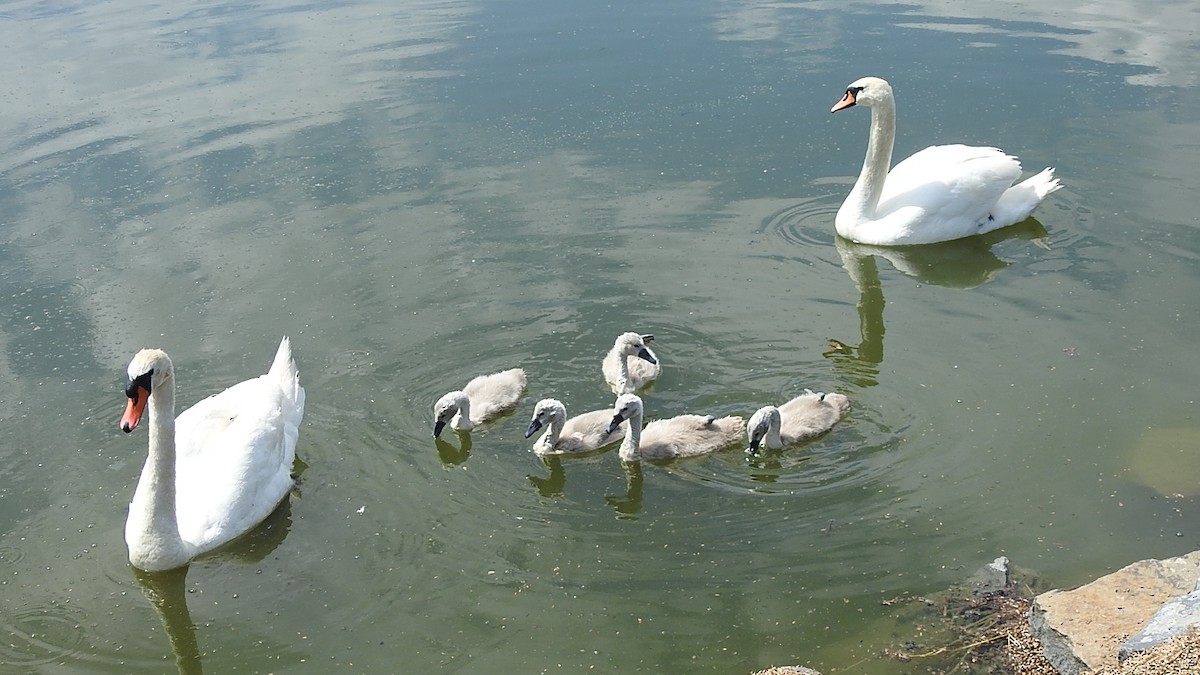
x,y
1175,617
991,578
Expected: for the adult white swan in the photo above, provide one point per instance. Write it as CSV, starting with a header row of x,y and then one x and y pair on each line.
x,y
582,433
801,419
941,193
215,471
675,437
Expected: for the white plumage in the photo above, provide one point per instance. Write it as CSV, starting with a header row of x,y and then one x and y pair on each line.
x,y
675,437
941,193
215,471
582,433
484,398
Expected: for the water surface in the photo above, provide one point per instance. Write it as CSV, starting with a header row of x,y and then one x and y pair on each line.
x,y
424,193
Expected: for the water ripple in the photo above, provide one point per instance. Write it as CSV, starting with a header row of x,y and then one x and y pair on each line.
x,y
42,635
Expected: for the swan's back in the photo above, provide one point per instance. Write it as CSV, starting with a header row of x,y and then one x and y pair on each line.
x,y
689,436
234,454
494,394
810,415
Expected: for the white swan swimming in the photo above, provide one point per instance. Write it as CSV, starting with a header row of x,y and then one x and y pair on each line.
x,y
483,399
626,374
682,436
582,433
941,193
801,419
215,471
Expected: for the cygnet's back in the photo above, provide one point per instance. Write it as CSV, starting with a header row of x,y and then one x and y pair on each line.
x,y
583,433
494,394
810,415
675,437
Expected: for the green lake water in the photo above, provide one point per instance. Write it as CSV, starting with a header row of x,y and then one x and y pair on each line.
x,y
418,193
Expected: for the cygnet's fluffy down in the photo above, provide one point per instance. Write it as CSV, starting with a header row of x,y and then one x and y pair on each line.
x,y
676,437
800,419
630,365
484,398
582,433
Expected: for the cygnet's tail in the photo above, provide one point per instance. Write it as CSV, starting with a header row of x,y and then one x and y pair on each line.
x,y
1020,200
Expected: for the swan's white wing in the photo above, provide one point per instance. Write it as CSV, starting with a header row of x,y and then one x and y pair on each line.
x,y
234,454
946,191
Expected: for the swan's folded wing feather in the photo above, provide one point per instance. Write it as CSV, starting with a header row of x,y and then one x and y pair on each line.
x,y
234,456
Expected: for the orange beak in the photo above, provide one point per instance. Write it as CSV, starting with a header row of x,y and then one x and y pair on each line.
x,y
846,102
134,409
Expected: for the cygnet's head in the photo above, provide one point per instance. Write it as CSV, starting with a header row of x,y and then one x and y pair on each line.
x,y
759,425
445,409
544,412
632,344
627,406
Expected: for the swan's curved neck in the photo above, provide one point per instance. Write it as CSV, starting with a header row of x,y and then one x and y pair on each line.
x,y
773,440
623,372
553,431
863,199
633,438
152,531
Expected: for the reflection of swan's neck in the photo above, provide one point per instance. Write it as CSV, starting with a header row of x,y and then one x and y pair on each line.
x,y
863,199
152,531
167,592
633,437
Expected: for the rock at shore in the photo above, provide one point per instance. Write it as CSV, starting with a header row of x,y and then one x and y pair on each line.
x,y
1079,629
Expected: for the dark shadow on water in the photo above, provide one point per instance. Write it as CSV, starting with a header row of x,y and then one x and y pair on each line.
x,y
167,591
629,505
450,455
167,594
963,263
553,485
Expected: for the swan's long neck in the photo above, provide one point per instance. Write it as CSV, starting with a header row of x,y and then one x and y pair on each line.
x,y
861,203
553,431
773,440
462,420
152,530
633,438
623,374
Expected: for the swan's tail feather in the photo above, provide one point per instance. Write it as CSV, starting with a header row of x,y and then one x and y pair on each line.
x,y
284,371
1020,200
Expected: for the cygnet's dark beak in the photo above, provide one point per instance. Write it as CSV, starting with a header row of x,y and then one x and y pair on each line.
x,y
616,422
533,427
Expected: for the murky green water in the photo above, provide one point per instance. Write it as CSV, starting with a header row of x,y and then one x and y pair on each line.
x,y
418,195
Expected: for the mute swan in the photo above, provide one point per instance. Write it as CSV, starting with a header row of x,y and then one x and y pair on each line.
x,y
941,193
626,376
682,436
582,433
800,419
483,399
215,471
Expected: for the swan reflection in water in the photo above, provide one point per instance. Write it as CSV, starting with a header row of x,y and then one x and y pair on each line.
x,y
962,263
167,591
